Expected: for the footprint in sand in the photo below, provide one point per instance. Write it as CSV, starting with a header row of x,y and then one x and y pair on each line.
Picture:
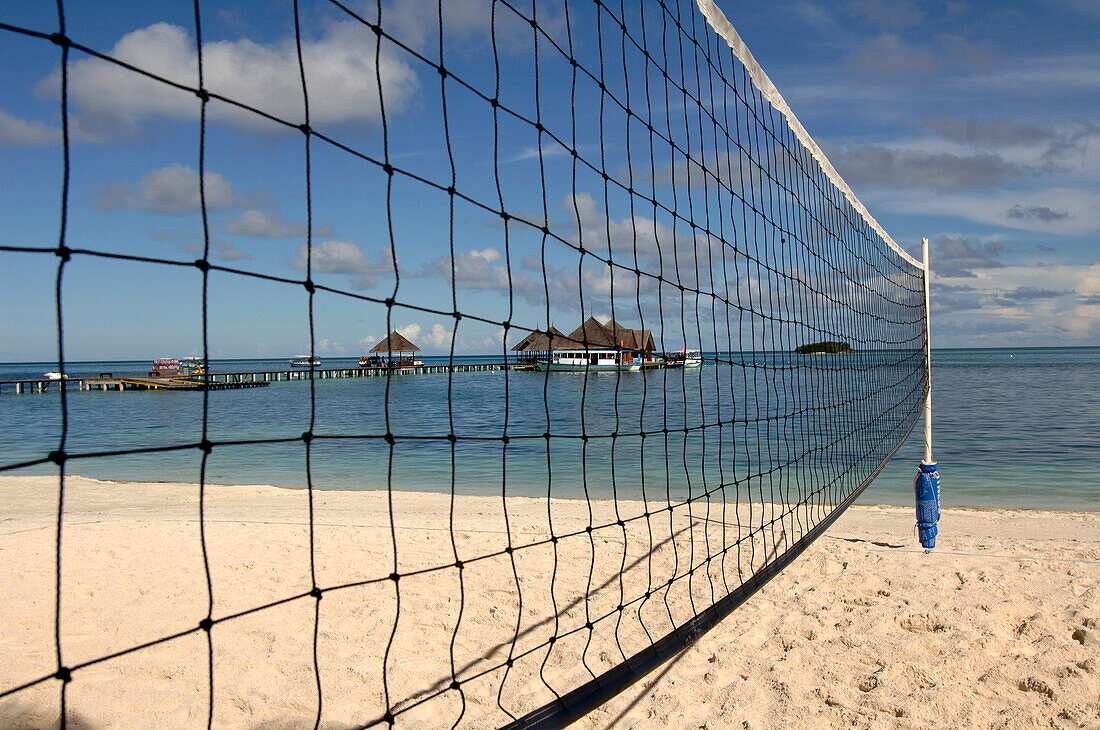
x,y
1034,684
921,623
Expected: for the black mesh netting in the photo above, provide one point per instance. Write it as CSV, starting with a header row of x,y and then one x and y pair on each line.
x,y
526,543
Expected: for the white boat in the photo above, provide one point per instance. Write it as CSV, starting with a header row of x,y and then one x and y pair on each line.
x,y
683,359
165,366
55,376
590,361
378,361
305,361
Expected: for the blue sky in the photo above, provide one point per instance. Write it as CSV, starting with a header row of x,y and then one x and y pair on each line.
x,y
974,124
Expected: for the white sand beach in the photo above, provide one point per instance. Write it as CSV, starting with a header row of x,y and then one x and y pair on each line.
x,y
998,627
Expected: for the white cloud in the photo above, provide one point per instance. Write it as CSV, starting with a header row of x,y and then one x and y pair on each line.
x,y
889,55
816,16
899,168
1043,303
1075,73
596,231
168,190
996,132
1054,210
339,65
479,270
1076,149
334,257
229,252
659,250
341,69
21,132
470,23
26,132
488,254
330,347
439,337
264,225
1083,280
969,153
958,51
410,331
549,149
343,257
958,256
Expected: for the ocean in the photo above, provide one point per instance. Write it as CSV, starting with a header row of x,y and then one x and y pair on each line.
x,y
1012,428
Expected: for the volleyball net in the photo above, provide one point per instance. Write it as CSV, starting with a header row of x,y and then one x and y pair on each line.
x,y
593,190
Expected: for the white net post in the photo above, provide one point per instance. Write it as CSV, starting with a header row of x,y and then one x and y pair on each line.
x,y
927,353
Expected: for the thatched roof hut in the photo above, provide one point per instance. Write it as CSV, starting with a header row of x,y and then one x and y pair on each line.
x,y
612,336
539,341
594,334
637,340
395,342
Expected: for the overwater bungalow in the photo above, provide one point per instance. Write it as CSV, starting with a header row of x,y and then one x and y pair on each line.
x,y
394,351
597,345
538,345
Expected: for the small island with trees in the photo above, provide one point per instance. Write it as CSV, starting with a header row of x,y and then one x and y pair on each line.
x,y
829,348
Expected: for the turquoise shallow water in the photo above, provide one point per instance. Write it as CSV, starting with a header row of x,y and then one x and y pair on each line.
x,y
1018,428
1012,428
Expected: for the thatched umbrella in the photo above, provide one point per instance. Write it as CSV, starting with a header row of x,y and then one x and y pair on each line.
x,y
395,342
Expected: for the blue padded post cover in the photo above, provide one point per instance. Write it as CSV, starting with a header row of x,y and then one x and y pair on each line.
x,y
927,490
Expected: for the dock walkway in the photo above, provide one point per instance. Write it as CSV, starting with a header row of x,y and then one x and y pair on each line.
x,y
232,380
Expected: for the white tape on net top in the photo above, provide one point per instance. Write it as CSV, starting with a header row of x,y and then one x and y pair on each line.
x,y
717,20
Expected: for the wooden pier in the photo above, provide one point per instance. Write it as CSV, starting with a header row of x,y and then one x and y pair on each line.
x,y
233,380
330,373
134,382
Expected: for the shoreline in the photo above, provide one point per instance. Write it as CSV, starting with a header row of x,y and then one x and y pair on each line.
x,y
490,494
998,625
